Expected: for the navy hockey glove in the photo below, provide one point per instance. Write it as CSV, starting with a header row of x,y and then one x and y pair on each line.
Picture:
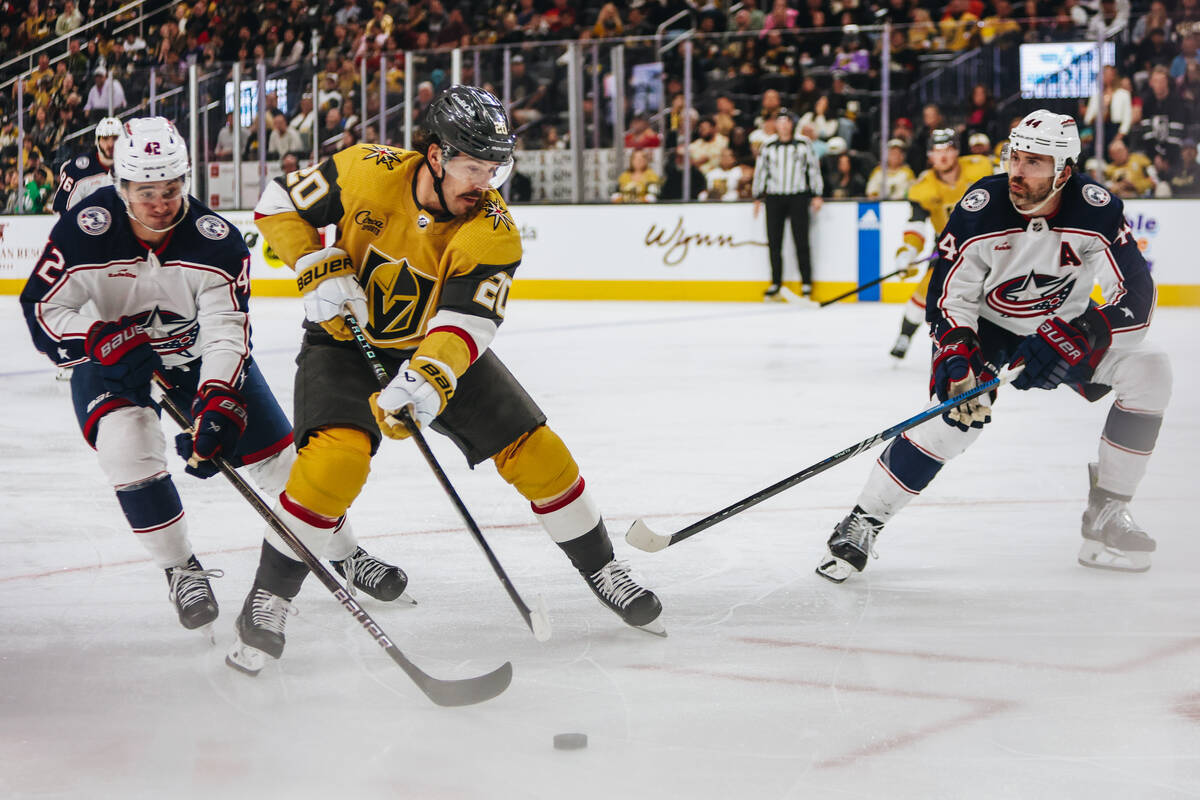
x,y
201,469
220,415
124,355
957,368
1062,351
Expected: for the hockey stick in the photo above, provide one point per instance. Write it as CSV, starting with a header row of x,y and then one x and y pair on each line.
x,y
538,621
463,692
641,537
908,272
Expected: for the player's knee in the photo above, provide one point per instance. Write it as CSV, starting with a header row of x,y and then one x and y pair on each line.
x,y
130,446
330,470
271,474
538,465
1148,384
940,441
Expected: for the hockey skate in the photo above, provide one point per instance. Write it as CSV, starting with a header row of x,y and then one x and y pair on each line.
x,y
259,631
852,540
772,294
1111,538
379,579
900,348
636,605
192,594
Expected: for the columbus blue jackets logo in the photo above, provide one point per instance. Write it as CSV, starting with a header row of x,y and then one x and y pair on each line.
x,y
82,162
976,200
169,332
1033,295
94,220
1096,195
212,227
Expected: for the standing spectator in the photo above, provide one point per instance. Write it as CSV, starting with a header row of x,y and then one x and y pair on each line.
x,y
527,94
899,175
37,190
672,186
1118,106
787,179
608,22
639,183
825,125
705,149
106,91
931,120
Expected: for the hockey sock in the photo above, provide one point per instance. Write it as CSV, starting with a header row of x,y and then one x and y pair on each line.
x,y
591,551
1125,448
155,513
900,474
914,311
573,521
342,543
279,574
312,529
907,326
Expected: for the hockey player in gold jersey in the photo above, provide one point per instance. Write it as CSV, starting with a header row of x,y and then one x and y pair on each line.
x,y
424,253
934,195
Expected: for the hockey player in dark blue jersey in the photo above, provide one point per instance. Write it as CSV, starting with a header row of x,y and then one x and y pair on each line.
x,y
141,278
1017,263
89,171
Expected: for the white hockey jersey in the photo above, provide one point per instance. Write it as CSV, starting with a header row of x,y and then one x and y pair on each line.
x,y
190,293
996,265
78,178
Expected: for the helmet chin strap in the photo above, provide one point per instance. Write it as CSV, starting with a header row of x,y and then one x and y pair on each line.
x,y
437,182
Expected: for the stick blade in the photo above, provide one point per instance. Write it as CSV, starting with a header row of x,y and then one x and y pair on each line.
x,y
465,692
539,620
641,537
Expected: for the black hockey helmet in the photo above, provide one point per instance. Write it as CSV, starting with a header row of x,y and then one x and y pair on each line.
x,y
471,121
942,137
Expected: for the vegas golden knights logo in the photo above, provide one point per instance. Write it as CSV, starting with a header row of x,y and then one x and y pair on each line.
x,y
399,296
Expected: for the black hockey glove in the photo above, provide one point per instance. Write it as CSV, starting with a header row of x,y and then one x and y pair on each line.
x,y
957,368
124,355
1062,352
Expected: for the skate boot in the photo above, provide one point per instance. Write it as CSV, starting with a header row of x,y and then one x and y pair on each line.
x,y
1111,538
636,605
771,295
192,594
904,339
259,631
853,539
377,578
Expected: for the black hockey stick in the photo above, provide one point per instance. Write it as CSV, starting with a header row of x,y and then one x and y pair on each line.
x,y
464,692
907,271
641,537
538,621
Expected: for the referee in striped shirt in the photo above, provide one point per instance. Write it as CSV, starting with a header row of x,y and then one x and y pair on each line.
x,y
787,179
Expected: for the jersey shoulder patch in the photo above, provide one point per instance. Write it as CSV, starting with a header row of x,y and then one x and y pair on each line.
x,y
975,199
82,162
212,227
94,220
1096,195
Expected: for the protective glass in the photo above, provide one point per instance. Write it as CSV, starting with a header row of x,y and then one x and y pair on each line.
x,y
477,172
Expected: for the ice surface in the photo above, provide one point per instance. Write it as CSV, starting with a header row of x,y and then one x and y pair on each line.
x,y
973,659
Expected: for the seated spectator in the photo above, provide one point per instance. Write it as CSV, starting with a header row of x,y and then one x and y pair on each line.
x,y
705,149
1118,106
728,180
847,180
739,143
1161,104
1185,179
728,115
1127,174
1156,50
782,17
289,163
1000,28
639,183
1189,51
282,139
958,26
981,111
765,132
769,107
1155,17
224,147
608,22
640,134
978,144
106,94
672,186
899,175
527,94
824,126
923,34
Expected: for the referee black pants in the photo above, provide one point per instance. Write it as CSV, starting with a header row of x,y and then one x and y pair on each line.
x,y
780,209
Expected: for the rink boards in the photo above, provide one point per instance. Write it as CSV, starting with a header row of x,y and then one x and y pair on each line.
x,y
697,251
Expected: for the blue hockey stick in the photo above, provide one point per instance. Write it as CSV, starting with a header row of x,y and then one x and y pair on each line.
x,y
641,537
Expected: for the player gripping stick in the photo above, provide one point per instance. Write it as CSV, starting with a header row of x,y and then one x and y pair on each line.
x,y
141,278
1016,265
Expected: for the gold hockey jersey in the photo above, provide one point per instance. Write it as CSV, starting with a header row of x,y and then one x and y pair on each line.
x,y
934,199
440,283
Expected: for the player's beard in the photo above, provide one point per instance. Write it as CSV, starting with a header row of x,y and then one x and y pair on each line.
x,y
1029,196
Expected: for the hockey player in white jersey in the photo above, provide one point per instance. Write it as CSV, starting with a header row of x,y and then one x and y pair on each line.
x,y
89,171
1017,263
141,278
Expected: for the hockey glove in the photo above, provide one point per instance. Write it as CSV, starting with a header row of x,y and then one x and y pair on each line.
x,y
423,387
1062,351
186,450
125,357
220,415
329,283
957,368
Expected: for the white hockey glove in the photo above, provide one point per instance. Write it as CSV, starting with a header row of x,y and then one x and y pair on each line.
x,y
329,283
905,257
423,386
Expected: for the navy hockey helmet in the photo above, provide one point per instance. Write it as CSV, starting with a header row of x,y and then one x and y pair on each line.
x,y
471,121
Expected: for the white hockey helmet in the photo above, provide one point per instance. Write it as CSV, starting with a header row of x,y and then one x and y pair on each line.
x,y
150,149
109,126
1045,133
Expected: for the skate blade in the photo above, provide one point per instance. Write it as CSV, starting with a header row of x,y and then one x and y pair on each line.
x,y
245,659
1097,556
654,627
208,632
406,599
835,569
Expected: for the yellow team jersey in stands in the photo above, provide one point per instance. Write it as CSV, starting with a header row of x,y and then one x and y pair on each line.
x,y
939,198
420,272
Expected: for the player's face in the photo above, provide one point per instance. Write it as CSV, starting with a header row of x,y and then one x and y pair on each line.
x,y
155,204
467,178
106,145
1030,178
943,159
